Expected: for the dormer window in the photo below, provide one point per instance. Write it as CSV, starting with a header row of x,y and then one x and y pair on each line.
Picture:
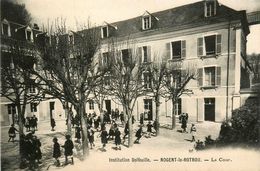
x,y
71,39
6,28
146,22
210,8
104,32
28,34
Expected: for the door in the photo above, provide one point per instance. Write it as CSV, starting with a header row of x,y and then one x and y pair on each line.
x,y
209,109
108,106
52,109
148,107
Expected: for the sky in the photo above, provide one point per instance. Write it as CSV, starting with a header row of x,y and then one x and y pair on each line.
x,y
98,11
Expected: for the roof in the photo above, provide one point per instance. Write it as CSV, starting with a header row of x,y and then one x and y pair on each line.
x,y
179,16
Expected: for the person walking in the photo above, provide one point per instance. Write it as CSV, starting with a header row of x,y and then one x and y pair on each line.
x,y
103,136
56,151
149,129
117,139
68,147
53,124
193,131
35,122
138,135
184,123
12,133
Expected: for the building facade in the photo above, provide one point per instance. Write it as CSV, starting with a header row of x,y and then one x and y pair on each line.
x,y
207,36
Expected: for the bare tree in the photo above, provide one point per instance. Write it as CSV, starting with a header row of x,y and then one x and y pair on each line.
x,y
17,85
177,76
69,61
155,79
126,78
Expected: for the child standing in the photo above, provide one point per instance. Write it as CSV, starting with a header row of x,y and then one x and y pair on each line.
x,y
11,133
138,135
104,135
91,137
56,151
193,132
117,138
68,146
149,129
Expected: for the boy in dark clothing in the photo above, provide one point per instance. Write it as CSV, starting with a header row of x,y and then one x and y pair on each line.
x,y
56,151
117,138
138,135
126,130
103,136
149,129
11,133
68,146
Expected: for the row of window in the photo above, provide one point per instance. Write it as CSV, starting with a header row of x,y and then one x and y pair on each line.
x,y
206,46
11,108
210,9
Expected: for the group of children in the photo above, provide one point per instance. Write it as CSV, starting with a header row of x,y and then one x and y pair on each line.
x,y
31,123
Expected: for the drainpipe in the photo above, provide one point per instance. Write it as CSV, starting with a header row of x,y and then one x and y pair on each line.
x,y
227,89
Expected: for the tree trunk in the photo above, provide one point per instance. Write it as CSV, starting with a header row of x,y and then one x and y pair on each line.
x,y
157,112
173,114
21,132
130,127
83,125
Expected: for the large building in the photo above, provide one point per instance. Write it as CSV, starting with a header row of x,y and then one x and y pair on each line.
x,y
207,35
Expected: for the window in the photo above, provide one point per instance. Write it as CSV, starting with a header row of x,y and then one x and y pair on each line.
x,y
209,77
71,39
105,58
106,80
11,109
33,107
209,45
6,29
145,57
91,105
176,49
146,22
32,89
147,80
104,32
28,35
174,79
210,8
125,56
177,109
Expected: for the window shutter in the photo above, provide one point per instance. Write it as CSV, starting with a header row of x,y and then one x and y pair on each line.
x,y
200,46
140,56
200,77
149,54
183,49
218,79
168,50
218,44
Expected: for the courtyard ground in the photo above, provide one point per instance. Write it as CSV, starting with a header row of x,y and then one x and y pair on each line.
x,y
170,150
